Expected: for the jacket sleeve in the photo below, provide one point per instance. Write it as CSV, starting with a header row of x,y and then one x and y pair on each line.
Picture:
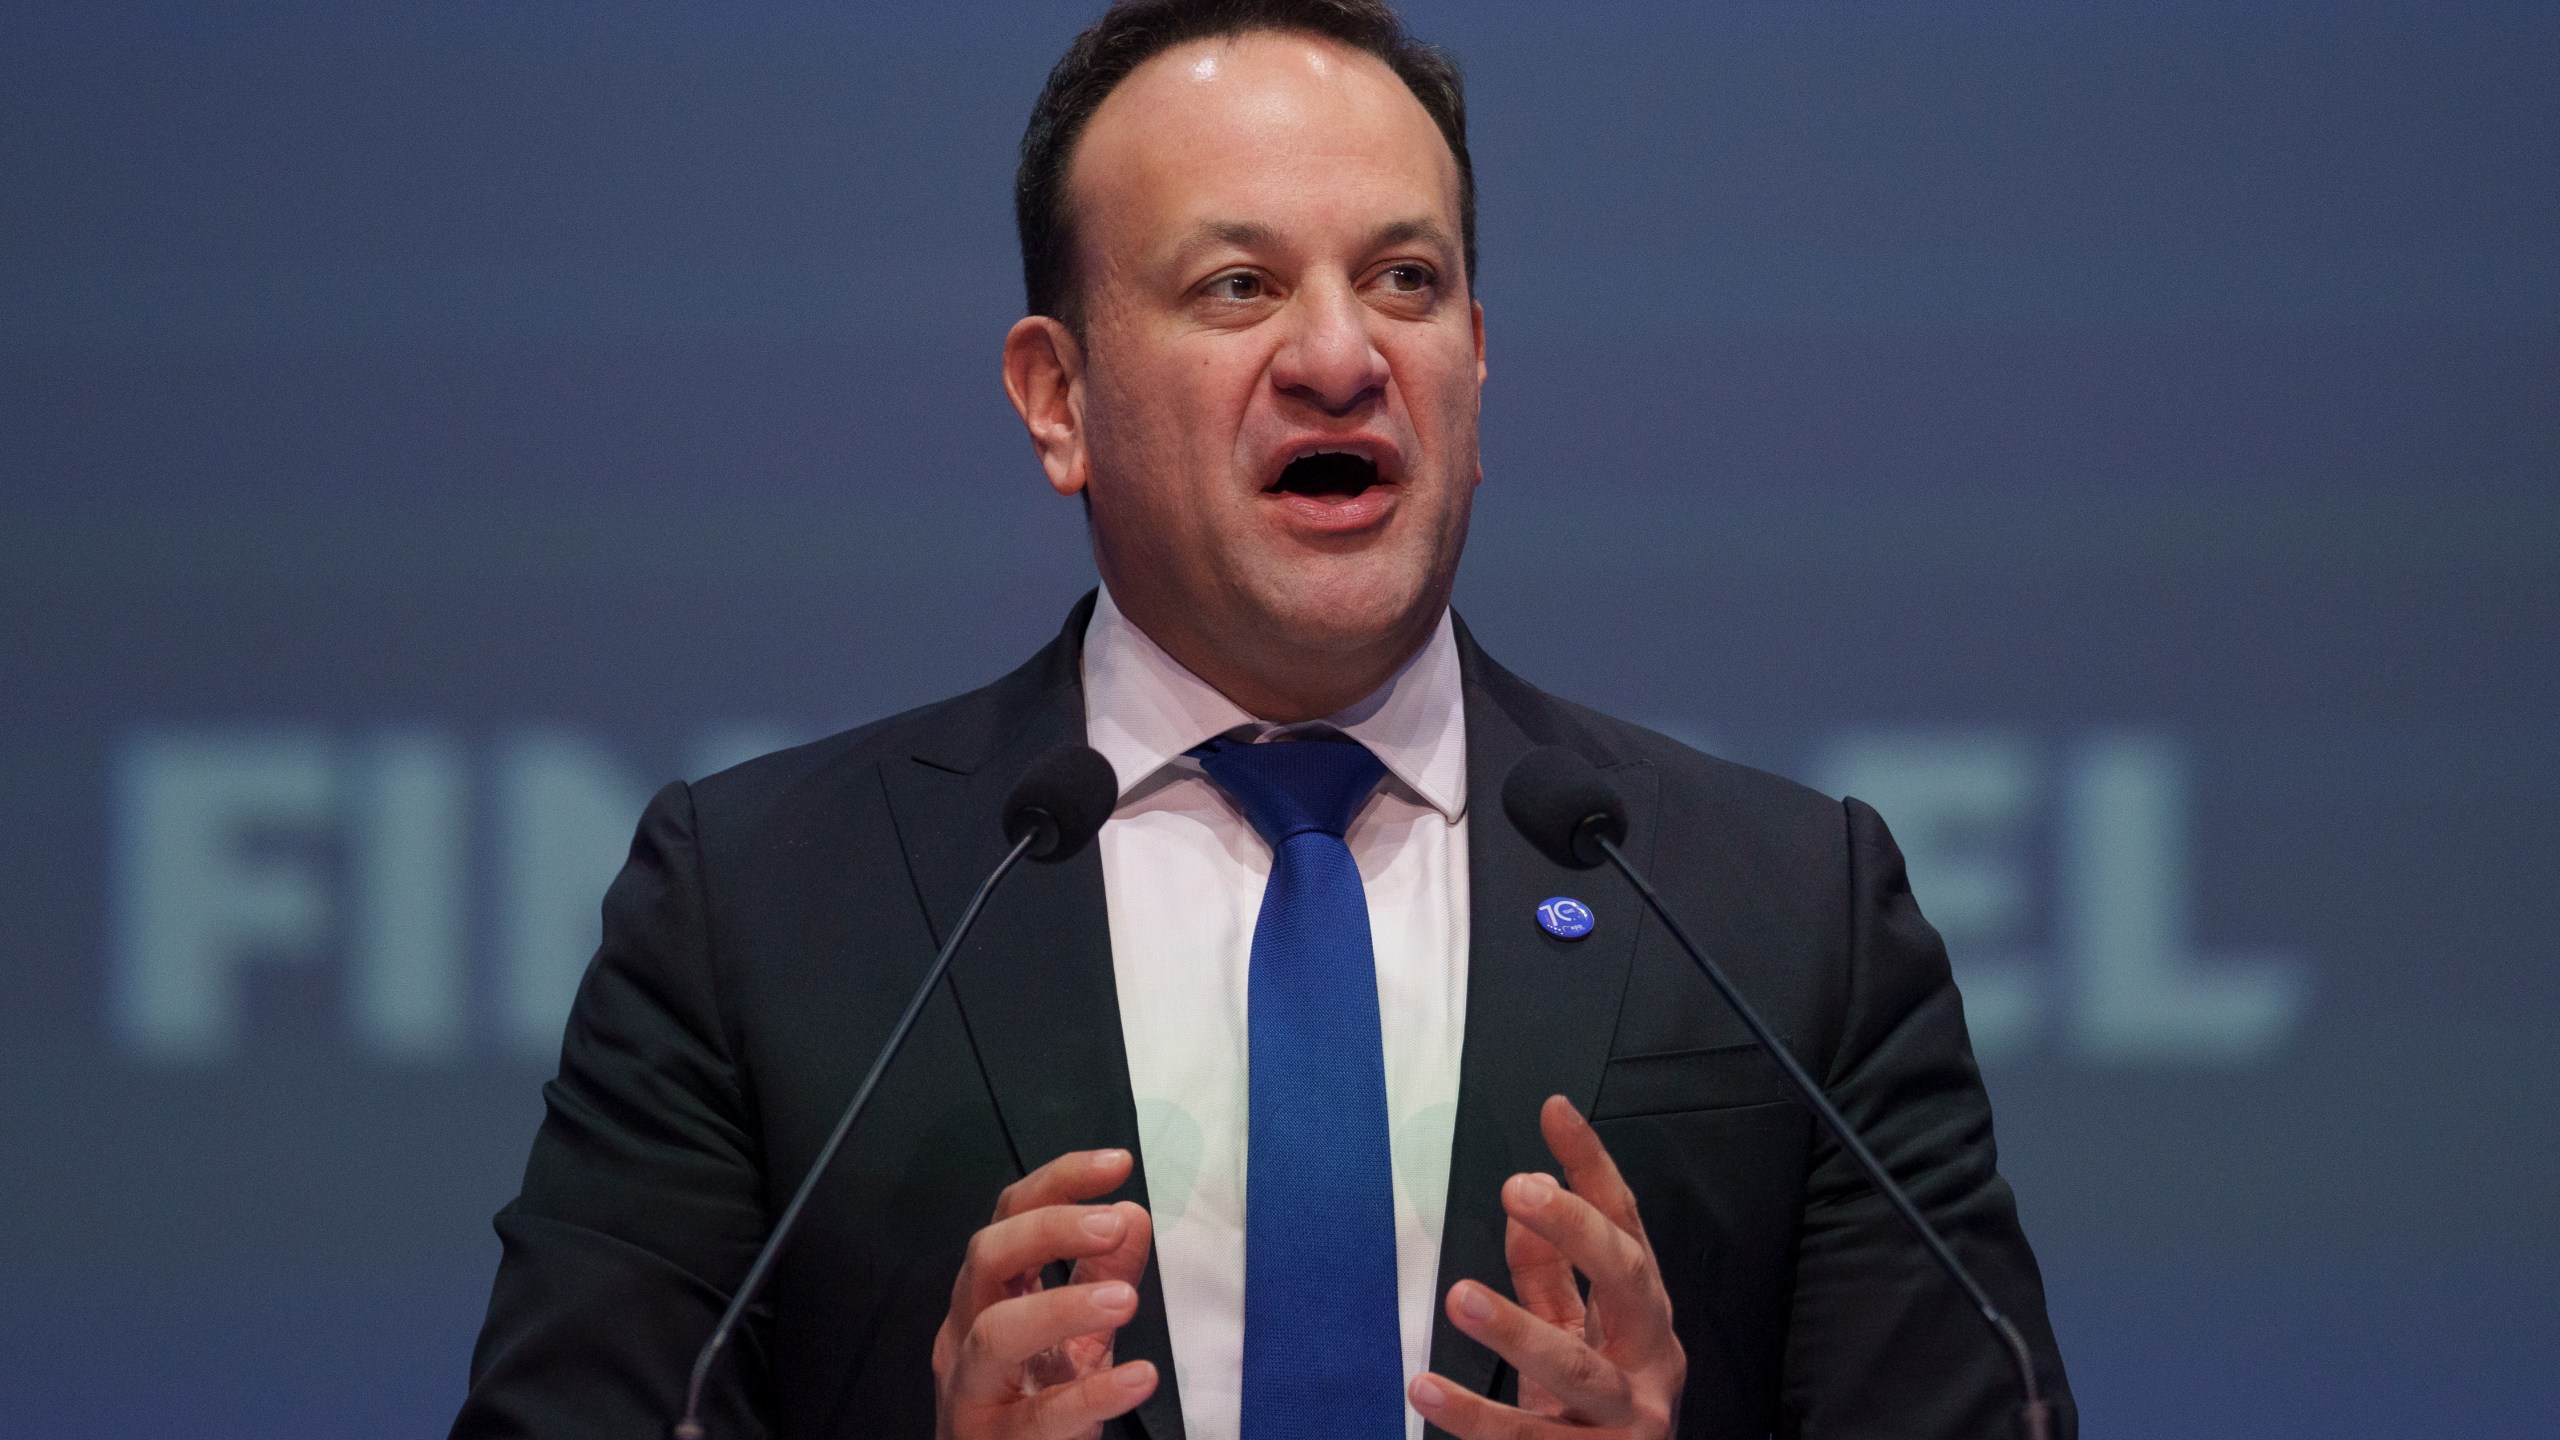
x,y
643,1201
1880,1341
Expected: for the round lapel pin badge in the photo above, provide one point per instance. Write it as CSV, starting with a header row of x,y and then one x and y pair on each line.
x,y
1566,918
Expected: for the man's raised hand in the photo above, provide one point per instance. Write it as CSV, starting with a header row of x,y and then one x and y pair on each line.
x,y
1016,1361
1612,1367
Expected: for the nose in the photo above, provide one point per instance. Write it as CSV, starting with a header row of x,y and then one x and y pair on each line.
x,y
1330,360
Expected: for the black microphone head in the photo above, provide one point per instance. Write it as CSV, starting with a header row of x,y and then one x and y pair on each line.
x,y
1563,806
1061,801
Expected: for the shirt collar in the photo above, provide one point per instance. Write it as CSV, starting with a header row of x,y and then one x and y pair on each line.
x,y
1143,709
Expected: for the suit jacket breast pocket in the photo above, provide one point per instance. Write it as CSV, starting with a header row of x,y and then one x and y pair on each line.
x,y
1727,1077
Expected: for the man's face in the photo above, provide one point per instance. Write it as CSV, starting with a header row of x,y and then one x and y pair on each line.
x,y
1282,360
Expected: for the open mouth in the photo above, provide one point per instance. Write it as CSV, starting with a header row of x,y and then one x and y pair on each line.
x,y
1327,476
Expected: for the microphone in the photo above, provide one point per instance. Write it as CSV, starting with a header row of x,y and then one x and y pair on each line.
x,y
1052,813
1563,806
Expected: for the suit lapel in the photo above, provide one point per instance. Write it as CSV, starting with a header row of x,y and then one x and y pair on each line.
x,y
1034,983
1540,1011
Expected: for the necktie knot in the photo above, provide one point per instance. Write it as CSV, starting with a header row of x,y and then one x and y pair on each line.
x,y
1291,787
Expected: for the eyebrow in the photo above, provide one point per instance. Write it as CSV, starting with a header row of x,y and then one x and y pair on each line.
x,y
1403,232
1252,234
1243,234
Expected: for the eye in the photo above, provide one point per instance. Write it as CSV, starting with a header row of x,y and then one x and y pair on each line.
x,y
1407,279
1236,285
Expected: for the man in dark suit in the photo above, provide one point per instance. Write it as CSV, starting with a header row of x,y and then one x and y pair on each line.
x,y
1267,1091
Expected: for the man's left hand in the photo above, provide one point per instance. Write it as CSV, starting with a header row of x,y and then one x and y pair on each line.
x,y
1611,1367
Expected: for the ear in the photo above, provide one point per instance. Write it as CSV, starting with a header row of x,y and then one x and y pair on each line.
x,y
1477,319
1044,377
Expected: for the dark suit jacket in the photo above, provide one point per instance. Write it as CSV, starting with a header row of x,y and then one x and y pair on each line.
x,y
772,920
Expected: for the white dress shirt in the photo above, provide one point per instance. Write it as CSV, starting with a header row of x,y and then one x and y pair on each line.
x,y
1183,874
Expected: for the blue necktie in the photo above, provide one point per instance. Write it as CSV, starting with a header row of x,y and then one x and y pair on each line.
x,y
1322,1356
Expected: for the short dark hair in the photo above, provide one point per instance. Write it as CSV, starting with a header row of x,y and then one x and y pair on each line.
x,y
1133,32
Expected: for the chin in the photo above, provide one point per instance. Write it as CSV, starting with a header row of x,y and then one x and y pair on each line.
x,y
1347,614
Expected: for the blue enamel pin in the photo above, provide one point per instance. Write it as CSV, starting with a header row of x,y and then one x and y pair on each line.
x,y
1566,918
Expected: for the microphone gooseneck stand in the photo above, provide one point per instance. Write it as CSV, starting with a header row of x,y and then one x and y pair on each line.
x,y
1053,811
1563,806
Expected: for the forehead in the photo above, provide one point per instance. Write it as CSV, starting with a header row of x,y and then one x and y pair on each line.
x,y
1265,127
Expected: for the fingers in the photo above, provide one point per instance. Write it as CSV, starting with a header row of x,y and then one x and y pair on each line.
x,y
1128,1260
1595,1180
1588,1167
1005,1336
1598,1231
1062,1412
1013,1247
1541,1276
1006,1340
1591,1388
1620,1267
1470,1416
1614,1363
1076,1175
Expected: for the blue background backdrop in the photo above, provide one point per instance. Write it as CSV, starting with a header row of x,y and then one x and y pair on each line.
x,y
2121,442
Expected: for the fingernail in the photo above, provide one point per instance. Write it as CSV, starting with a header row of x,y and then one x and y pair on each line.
x,y
1116,1295
1102,1224
1136,1375
1536,1190
1474,1303
1110,1159
1429,1393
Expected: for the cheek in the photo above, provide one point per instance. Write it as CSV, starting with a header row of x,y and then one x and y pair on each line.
x,y
1437,385
1163,435
1219,382
1437,369
1183,402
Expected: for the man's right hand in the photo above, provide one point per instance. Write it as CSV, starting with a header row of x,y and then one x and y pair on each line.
x,y
1015,1361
